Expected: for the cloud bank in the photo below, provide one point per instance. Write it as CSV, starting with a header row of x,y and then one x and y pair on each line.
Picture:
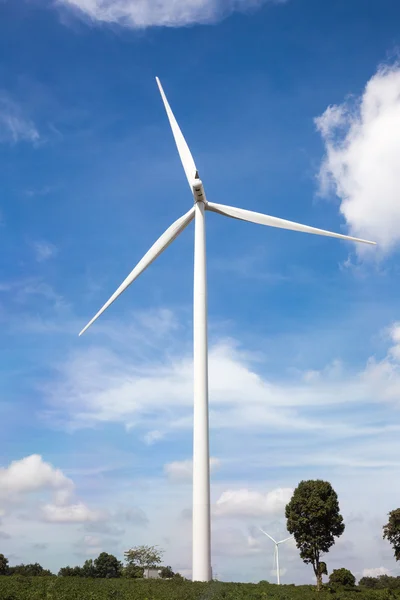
x,y
25,482
362,160
140,14
375,572
97,386
249,503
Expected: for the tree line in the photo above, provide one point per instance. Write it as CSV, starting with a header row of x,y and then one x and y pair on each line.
x,y
105,566
312,517
345,578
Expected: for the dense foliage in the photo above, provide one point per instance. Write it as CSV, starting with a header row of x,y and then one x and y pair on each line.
x,y
314,519
30,570
391,531
323,569
107,566
380,583
167,572
342,577
143,556
3,565
75,588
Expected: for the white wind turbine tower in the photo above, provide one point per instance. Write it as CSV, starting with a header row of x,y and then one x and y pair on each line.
x,y
201,464
276,552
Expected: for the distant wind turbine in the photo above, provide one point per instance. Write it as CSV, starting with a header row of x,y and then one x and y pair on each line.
x,y
201,464
276,552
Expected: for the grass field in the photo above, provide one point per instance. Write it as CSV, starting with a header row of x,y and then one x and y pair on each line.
x,y
74,588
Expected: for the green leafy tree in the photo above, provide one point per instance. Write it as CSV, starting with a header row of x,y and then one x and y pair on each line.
x,y
323,570
389,582
107,566
143,556
87,570
30,570
313,517
342,577
3,565
67,572
391,531
132,572
167,573
368,582
381,582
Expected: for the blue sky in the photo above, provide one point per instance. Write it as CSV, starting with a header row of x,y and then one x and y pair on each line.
x,y
290,108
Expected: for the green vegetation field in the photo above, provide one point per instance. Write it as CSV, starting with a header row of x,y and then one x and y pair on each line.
x,y
75,588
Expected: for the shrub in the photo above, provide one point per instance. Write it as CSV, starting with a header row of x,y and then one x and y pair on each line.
x,y
342,577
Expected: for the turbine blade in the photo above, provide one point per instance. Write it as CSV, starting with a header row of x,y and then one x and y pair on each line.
x,y
267,534
183,148
285,540
157,248
254,217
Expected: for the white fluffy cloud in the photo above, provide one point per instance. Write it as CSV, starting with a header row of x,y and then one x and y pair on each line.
x,y
383,376
245,502
168,13
375,572
362,161
71,513
31,474
181,470
14,125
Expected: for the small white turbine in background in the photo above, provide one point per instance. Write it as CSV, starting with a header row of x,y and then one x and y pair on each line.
x,y
276,552
201,462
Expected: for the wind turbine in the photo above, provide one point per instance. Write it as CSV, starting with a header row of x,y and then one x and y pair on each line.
x,y
201,559
276,552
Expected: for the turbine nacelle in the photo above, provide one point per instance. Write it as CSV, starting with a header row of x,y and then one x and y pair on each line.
x,y
198,191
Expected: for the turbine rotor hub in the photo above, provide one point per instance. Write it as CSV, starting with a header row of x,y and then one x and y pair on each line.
x,y
198,191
